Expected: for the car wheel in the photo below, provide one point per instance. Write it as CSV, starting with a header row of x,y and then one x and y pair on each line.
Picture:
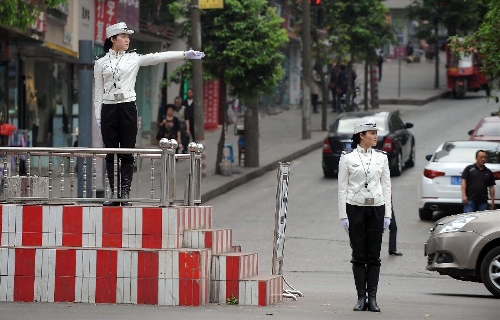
x,y
398,166
425,214
329,174
411,161
490,271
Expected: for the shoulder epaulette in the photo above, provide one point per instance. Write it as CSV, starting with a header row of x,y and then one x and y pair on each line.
x,y
131,51
378,150
100,56
347,151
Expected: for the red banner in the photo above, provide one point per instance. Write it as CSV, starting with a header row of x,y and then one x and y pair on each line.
x,y
105,15
211,101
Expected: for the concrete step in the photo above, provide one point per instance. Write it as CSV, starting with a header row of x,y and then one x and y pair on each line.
x,y
100,227
218,240
174,277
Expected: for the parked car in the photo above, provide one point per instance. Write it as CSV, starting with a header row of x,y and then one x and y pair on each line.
x,y
467,247
441,179
395,139
488,128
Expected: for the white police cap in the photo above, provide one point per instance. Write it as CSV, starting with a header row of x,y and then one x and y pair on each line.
x,y
117,28
366,124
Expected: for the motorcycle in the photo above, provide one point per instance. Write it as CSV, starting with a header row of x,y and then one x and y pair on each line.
x,y
355,101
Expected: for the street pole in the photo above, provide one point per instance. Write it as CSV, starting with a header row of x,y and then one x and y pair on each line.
x,y
306,71
199,121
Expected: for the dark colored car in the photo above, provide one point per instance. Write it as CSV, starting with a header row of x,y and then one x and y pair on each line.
x,y
395,139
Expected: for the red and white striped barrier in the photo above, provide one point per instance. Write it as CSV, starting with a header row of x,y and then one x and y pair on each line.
x,y
219,240
99,227
141,276
261,290
227,270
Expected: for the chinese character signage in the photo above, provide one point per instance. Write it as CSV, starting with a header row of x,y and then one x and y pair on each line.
x,y
86,14
105,15
211,100
211,4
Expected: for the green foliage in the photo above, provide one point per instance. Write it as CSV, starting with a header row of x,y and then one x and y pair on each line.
x,y
241,44
22,14
232,301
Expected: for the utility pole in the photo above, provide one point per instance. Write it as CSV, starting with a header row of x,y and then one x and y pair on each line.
x,y
199,121
306,71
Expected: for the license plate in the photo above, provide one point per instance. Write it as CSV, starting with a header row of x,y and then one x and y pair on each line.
x,y
456,180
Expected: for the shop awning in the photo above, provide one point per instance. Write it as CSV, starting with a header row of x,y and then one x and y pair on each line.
x,y
64,50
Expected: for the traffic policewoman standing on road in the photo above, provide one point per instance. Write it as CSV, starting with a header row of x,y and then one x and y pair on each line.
x,y
364,199
115,73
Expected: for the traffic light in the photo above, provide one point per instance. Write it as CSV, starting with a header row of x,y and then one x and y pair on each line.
x,y
315,2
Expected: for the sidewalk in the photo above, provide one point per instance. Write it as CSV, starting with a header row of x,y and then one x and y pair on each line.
x,y
281,133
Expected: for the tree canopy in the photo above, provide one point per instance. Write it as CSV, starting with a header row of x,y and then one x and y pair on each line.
x,y
22,14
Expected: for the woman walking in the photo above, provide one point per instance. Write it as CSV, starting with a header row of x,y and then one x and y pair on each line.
x,y
115,73
364,199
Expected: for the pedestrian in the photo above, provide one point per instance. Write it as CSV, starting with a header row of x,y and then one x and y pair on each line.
x,y
181,113
115,73
189,103
332,85
380,61
364,200
393,231
315,81
476,180
170,126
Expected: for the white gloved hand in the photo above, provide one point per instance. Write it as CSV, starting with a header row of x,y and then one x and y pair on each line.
x,y
345,224
387,222
193,55
99,123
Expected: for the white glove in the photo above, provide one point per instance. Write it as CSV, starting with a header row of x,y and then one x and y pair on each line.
x,y
345,224
99,123
387,222
193,55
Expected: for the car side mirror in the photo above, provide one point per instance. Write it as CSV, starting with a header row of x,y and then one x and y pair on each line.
x,y
470,132
408,125
428,157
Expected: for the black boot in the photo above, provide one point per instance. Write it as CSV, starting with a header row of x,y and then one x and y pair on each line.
x,y
360,282
373,273
111,177
126,182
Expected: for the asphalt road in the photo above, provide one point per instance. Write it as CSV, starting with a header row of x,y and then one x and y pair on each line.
x,y
317,251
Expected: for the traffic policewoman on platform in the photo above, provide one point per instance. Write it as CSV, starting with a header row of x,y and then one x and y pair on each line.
x,y
115,73
364,200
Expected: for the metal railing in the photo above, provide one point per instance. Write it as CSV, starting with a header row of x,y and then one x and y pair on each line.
x,y
59,169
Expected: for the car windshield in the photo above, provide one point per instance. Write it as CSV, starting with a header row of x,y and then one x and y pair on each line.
x,y
346,125
464,155
489,129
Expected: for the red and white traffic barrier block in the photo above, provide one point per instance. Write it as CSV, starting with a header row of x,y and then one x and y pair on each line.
x,y
99,227
227,270
261,290
137,276
218,240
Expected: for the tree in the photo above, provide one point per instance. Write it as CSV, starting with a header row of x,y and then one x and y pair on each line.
x,y
457,16
242,43
22,14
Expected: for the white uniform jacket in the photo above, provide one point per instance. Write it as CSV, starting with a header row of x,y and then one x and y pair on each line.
x,y
115,75
356,169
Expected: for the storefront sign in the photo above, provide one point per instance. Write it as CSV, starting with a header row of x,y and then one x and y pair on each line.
x,y
86,19
211,4
105,15
211,101
128,12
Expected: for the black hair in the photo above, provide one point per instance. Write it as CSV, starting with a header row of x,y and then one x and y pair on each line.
x,y
170,106
356,139
108,44
478,151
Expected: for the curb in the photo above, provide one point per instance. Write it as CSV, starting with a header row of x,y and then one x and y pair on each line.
x,y
258,172
415,102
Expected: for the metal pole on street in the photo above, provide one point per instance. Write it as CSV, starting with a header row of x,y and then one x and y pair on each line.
x,y
306,71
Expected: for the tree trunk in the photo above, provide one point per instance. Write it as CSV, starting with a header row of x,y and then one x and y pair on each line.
x,y
373,83
436,56
222,139
252,133
306,71
365,89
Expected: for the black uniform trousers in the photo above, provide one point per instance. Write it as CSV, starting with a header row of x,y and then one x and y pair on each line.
x,y
366,226
393,231
119,129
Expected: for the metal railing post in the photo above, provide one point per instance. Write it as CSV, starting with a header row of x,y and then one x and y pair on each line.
x,y
163,174
198,173
171,148
192,168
